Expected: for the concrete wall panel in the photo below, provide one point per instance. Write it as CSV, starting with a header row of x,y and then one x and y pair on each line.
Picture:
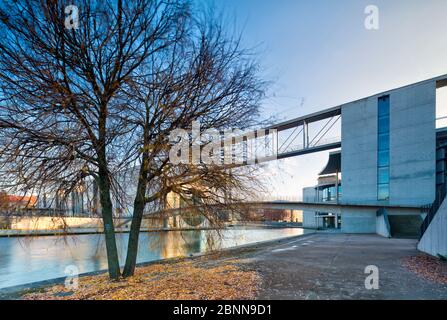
x,y
358,221
412,147
434,241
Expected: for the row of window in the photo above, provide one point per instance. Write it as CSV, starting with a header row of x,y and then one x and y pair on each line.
x,y
383,150
329,193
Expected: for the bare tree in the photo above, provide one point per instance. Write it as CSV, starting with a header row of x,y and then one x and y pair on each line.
x,y
61,106
93,101
205,77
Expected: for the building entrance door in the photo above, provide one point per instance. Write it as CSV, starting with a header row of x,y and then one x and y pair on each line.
x,y
327,220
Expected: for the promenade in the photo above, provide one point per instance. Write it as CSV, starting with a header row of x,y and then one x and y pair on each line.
x,y
327,266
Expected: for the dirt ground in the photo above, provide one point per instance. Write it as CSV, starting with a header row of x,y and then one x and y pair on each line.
x,y
209,278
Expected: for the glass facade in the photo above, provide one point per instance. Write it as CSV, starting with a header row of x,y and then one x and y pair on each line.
x,y
383,153
329,194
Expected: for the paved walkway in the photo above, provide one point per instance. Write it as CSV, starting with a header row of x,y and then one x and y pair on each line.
x,y
328,266
332,266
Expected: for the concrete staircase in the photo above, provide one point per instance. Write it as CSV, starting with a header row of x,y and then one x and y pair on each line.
x,y
405,226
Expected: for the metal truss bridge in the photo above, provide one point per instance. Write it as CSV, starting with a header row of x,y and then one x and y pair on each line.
x,y
299,136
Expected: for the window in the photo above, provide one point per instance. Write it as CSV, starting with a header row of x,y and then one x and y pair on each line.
x,y
383,149
332,194
441,104
383,175
384,124
384,141
383,158
329,194
383,191
384,106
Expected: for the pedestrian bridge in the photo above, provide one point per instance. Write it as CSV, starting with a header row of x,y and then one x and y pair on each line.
x,y
312,133
300,205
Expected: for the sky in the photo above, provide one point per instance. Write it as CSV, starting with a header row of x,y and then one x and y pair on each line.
x,y
318,54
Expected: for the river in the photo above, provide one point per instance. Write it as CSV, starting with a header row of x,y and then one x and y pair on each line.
x,y
31,259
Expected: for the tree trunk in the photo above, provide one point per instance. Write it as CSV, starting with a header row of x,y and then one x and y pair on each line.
x,y
109,229
138,209
104,196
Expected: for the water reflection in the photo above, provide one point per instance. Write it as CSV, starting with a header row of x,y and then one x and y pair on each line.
x,y
24,260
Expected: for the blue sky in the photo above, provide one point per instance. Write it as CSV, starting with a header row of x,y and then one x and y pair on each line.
x,y
318,54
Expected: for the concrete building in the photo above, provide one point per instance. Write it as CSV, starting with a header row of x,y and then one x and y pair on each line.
x,y
327,190
388,175
388,159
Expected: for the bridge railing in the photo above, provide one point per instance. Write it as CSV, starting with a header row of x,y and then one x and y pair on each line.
x,y
276,198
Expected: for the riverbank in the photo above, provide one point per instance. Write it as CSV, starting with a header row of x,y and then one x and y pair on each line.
x,y
198,279
315,266
7,233
81,231
32,259
227,257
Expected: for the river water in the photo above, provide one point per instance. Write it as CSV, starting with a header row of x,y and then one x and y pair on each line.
x,y
25,260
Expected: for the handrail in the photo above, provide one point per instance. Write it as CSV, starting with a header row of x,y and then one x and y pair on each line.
x,y
433,209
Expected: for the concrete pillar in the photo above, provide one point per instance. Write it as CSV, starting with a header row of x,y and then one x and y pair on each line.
x,y
336,187
305,135
175,217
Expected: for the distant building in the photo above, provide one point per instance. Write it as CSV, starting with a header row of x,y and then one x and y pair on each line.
x,y
13,202
327,190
